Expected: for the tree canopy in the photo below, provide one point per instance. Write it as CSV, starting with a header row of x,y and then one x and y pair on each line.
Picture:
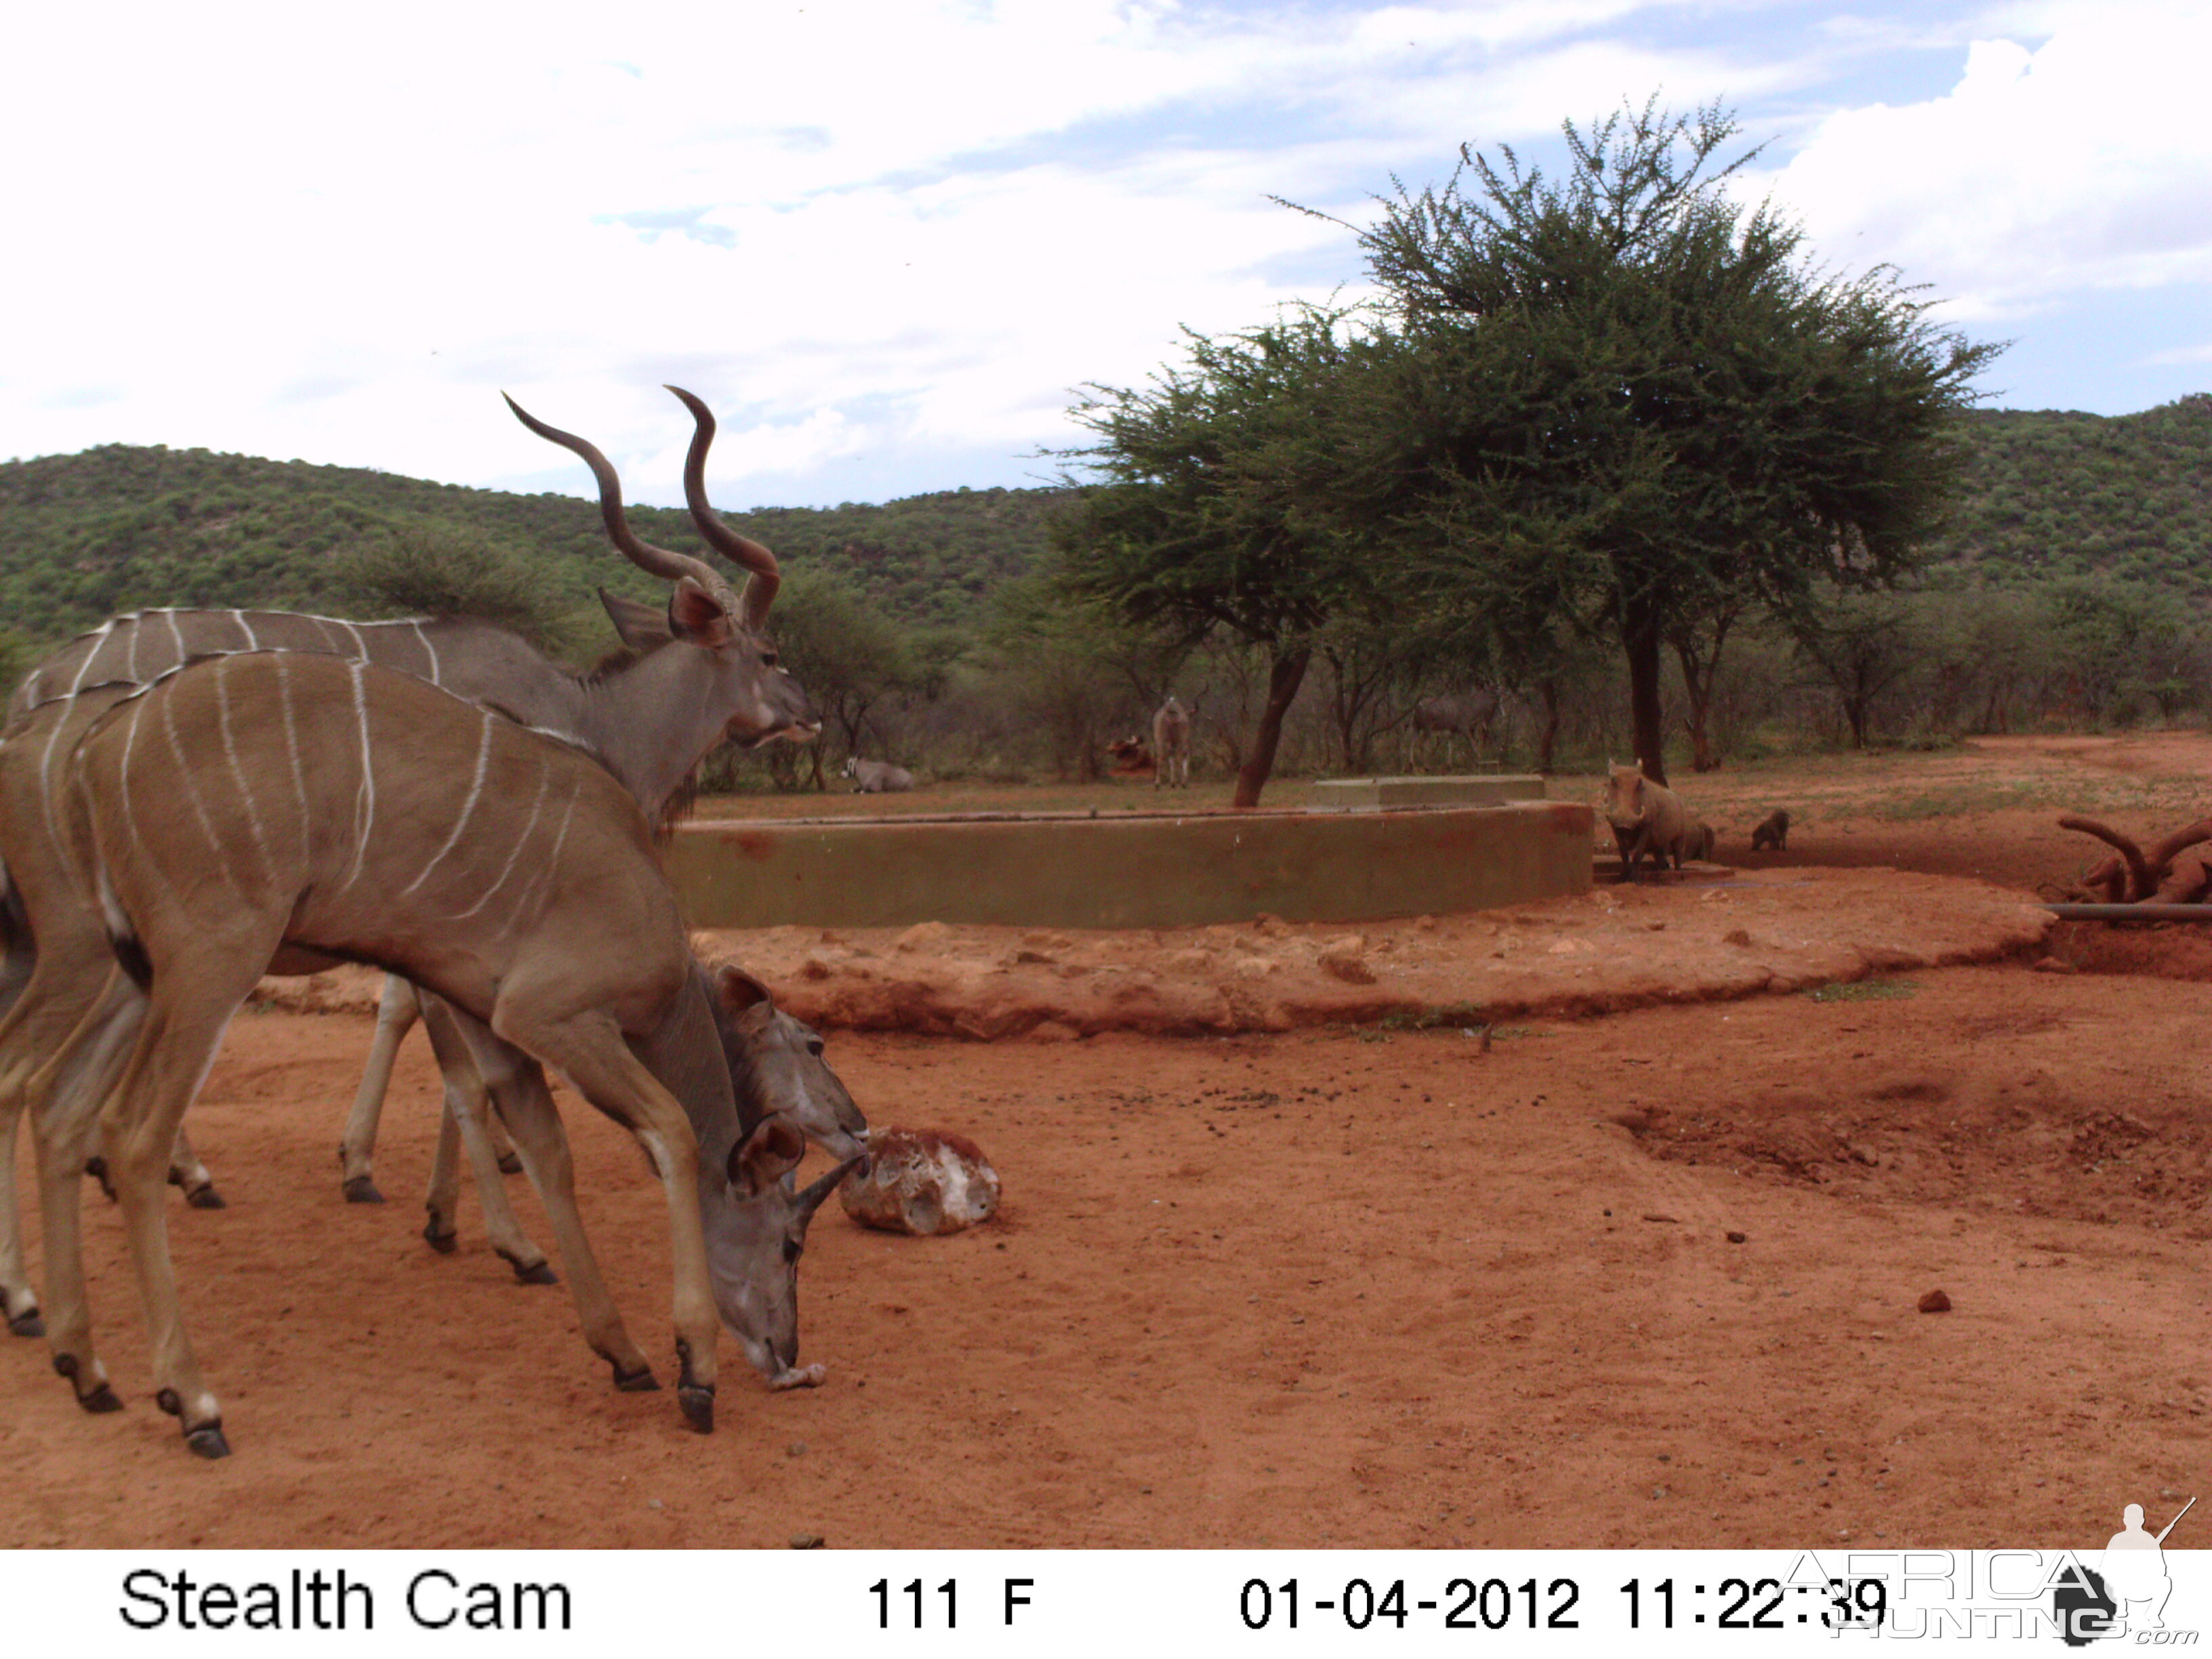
x,y
1623,395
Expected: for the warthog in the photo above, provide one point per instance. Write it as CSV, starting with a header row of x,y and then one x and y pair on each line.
x,y
1649,818
1128,757
1773,831
877,777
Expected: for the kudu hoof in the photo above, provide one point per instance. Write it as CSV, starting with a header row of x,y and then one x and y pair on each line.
x,y
530,1273
510,1164
443,1244
206,1441
99,1401
640,1381
28,1323
698,1404
361,1190
206,1198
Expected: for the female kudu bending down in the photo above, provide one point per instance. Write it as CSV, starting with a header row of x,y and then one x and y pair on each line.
x,y
260,801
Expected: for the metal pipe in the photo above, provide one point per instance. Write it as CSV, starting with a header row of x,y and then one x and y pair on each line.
x,y
2131,912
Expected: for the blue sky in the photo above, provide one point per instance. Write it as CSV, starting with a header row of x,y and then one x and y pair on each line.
x,y
888,241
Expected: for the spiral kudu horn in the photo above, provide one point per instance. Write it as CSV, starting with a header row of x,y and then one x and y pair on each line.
x,y
760,590
643,554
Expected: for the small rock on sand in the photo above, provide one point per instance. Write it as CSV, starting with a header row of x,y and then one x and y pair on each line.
x,y
1935,1302
2054,965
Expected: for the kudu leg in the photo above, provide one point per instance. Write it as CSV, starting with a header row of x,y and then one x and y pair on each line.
x,y
67,1094
517,1085
190,1006
18,1303
466,1124
396,1010
38,1026
589,1048
186,1171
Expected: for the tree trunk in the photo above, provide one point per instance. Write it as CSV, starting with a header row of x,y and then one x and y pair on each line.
x,y
1701,672
1284,675
1549,741
1639,633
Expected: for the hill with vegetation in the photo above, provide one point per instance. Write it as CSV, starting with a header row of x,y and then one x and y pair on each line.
x,y
2047,494
121,527
2052,492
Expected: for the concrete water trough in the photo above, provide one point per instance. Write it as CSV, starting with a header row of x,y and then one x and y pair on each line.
x,y
1127,870
1375,794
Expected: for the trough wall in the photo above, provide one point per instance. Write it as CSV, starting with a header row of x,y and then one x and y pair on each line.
x,y
1135,871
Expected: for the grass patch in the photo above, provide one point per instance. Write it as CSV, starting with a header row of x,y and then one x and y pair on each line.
x,y
1429,1019
1863,990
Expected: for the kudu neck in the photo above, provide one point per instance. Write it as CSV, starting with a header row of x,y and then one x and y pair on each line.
x,y
653,722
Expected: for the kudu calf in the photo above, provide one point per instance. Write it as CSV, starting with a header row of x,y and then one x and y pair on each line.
x,y
262,801
702,671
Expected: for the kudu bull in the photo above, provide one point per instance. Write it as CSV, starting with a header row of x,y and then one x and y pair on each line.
x,y
1171,747
356,814
697,676
1464,712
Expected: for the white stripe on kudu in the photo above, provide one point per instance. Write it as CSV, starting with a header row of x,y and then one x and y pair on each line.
x,y
431,651
237,772
47,759
292,748
364,810
468,806
537,805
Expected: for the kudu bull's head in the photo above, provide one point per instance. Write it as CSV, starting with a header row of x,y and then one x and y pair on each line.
x,y
727,670
757,1226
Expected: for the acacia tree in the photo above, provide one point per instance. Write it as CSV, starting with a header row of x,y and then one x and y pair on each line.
x,y
1623,391
1220,502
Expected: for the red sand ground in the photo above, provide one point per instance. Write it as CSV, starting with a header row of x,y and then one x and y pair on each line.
x,y
1330,1285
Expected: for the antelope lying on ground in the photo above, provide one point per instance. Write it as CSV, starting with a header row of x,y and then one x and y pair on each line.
x,y
343,811
877,777
700,674
1171,747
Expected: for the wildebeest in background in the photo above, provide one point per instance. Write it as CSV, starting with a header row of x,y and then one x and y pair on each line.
x,y
1773,831
1128,757
1171,747
877,777
1464,712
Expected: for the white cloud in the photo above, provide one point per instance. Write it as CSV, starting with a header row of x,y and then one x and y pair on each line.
x,y
888,230
2080,161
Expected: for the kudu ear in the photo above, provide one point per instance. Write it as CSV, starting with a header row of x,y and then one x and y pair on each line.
x,y
639,626
695,613
735,990
763,1157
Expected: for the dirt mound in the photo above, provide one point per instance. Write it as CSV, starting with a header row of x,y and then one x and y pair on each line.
x,y
1614,948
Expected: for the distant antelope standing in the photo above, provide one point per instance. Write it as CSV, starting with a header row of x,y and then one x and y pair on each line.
x,y
1171,747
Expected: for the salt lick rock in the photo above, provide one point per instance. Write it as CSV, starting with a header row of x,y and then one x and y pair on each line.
x,y
921,1181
